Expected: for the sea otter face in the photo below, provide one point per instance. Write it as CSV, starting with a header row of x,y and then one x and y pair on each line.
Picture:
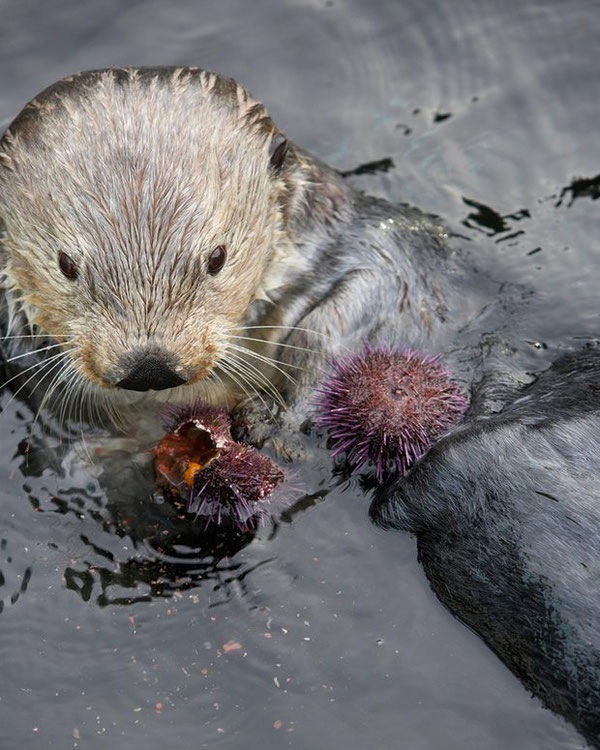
x,y
141,210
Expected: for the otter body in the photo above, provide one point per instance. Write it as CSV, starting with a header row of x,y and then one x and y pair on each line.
x,y
506,510
163,241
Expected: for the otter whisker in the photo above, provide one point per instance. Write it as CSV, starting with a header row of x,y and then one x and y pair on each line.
x,y
88,411
77,393
91,406
214,375
38,365
84,411
33,351
218,380
257,388
275,362
253,374
227,367
31,336
80,420
224,366
49,370
215,381
271,360
266,360
279,343
81,396
56,380
70,384
295,328
52,367
103,405
230,367
94,409
258,378
111,410
286,328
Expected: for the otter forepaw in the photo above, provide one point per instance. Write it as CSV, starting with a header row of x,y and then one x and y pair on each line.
x,y
269,425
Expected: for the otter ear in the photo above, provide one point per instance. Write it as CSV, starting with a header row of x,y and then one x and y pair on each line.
x,y
278,149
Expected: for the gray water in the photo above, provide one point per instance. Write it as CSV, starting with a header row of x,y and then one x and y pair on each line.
x,y
123,627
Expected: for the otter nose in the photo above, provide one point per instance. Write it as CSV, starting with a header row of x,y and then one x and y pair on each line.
x,y
150,372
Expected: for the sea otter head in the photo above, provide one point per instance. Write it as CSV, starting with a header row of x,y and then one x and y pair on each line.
x,y
142,210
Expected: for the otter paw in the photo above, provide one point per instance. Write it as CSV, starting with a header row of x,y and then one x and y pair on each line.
x,y
267,425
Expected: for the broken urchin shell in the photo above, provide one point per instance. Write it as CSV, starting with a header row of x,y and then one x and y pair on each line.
x,y
386,407
219,479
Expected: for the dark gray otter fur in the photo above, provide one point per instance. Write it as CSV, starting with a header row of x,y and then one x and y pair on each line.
x,y
507,514
105,167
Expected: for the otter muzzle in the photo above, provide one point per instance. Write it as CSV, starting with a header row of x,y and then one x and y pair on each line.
x,y
150,373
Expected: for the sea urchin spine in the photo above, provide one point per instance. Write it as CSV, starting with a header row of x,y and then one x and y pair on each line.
x,y
219,479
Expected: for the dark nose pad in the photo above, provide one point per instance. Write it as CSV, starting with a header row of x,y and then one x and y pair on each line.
x,y
151,372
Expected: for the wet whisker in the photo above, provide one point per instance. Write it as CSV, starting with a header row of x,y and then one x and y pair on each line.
x,y
286,328
33,351
266,360
69,386
231,371
258,378
278,343
54,383
37,366
29,336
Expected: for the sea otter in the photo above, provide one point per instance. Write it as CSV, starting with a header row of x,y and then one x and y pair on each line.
x,y
506,509
162,241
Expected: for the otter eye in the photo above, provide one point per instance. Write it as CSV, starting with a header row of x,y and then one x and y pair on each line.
x,y
67,266
278,150
216,260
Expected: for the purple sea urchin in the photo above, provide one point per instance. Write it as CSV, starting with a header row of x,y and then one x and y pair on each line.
x,y
219,479
387,406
